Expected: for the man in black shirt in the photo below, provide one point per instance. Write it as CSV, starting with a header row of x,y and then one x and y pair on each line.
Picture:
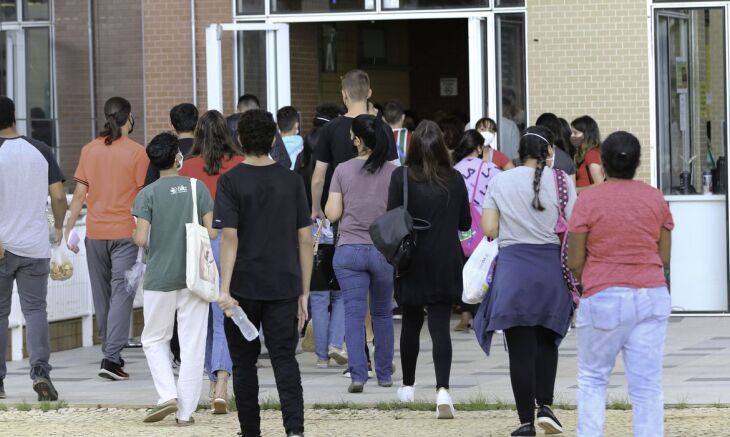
x,y
183,118
246,103
335,142
266,267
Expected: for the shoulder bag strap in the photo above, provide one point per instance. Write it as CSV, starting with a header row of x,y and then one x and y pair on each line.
x,y
561,186
318,236
476,184
405,187
193,189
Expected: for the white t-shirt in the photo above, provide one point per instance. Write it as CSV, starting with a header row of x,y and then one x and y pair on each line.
x,y
27,168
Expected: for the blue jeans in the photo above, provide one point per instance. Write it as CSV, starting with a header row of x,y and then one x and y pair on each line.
x,y
329,327
634,322
359,268
217,356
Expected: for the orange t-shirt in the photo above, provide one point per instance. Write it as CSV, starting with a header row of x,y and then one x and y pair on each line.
x,y
114,175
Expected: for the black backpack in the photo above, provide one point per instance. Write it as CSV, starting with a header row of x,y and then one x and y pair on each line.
x,y
394,233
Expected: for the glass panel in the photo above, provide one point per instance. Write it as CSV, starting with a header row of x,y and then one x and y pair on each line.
x,y
691,102
295,6
4,89
252,64
38,84
433,4
8,10
250,7
512,82
509,3
36,10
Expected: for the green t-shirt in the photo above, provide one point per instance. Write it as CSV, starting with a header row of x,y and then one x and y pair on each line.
x,y
168,205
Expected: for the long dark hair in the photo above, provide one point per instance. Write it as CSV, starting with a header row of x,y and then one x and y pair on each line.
x,y
212,141
372,133
591,136
534,144
552,122
116,112
428,157
470,142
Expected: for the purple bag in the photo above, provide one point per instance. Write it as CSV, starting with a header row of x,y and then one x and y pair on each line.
x,y
561,228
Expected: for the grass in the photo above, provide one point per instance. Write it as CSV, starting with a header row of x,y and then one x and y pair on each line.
x,y
23,406
620,403
269,403
3,407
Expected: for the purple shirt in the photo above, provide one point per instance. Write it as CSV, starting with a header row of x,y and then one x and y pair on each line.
x,y
365,198
469,167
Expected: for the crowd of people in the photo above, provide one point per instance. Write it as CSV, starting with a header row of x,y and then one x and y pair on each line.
x,y
289,219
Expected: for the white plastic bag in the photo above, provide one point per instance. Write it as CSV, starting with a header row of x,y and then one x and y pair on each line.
x,y
134,275
477,269
61,266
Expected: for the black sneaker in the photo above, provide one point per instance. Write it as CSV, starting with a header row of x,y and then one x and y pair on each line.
x,y
527,429
547,420
2,389
113,371
45,389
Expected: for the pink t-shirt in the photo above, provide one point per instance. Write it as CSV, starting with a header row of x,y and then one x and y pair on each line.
x,y
623,220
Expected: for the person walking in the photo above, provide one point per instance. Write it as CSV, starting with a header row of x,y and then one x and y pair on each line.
x,y
358,196
626,305
214,153
586,137
487,128
266,267
28,175
162,210
475,161
110,173
248,102
183,118
528,299
437,194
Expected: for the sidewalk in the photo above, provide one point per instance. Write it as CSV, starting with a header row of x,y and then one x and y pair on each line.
x,y
696,366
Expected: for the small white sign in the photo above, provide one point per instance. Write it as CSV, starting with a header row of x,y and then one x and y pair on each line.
x,y
449,87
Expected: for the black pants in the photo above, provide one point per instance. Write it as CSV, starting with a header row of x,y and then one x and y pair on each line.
x,y
533,364
439,318
279,320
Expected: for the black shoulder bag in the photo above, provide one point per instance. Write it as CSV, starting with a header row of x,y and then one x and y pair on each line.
x,y
394,233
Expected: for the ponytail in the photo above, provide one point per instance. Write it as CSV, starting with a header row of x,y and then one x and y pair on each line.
x,y
534,144
116,112
372,132
537,181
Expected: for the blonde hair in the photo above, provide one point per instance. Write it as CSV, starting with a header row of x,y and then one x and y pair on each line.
x,y
356,84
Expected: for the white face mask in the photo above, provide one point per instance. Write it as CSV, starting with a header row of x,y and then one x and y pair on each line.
x,y
180,163
488,138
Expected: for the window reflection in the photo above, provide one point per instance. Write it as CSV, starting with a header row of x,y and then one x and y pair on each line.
x,y
433,4
249,7
36,10
294,6
8,10
252,64
512,81
38,84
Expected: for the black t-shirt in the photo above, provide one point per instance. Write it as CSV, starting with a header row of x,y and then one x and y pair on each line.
x,y
184,144
268,206
334,146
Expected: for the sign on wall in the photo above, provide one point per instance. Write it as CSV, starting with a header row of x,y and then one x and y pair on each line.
x,y
449,87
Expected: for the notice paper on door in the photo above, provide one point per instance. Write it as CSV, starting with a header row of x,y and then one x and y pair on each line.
x,y
449,87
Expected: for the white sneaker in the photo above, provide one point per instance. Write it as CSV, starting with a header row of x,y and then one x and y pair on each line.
x,y
444,405
407,394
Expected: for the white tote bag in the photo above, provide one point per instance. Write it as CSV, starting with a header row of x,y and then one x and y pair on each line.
x,y
201,272
476,271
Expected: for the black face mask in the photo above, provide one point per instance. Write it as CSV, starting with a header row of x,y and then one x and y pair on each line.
x,y
131,122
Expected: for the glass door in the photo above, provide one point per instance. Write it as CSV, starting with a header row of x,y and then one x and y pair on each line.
x,y
262,63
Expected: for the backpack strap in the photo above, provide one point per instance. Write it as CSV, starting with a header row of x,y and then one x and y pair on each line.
x,y
476,184
561,185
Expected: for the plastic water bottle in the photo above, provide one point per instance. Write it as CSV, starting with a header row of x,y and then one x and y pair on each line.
x,y
249,331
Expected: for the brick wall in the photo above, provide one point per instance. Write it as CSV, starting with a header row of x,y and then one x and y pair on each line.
x,y
168,58
304,49
209,12
591,58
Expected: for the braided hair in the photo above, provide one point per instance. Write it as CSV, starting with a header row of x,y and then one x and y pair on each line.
x,y
534,144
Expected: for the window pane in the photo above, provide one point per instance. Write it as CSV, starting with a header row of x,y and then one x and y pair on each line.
x,y
4,64
509,3
38,84
249,7
8,10
252,64
36,10
433,4
294,6
512,81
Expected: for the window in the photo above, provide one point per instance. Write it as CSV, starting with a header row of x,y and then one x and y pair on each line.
x,y
433,4
509,3
512,84
252,64
250,7
313,6
36,10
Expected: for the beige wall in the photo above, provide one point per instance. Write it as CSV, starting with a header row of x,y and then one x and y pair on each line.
x,y
591,57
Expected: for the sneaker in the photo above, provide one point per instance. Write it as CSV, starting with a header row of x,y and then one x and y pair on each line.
x,y
188,422
161,411
346,373
323,364
2,390
356,387
397,313
219,406
407,394
112,371
386,384
45,389
444,405
294,434
547,421
338,354
526,429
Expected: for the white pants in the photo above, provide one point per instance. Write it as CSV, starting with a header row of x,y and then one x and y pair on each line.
x,y
192,326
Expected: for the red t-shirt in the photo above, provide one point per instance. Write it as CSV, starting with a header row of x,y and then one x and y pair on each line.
x,y
500,159
623,220
193,168
582,177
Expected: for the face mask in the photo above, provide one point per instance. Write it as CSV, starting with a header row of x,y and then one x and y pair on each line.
x,y
131,122
180,162
488,137
550,162
576,140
